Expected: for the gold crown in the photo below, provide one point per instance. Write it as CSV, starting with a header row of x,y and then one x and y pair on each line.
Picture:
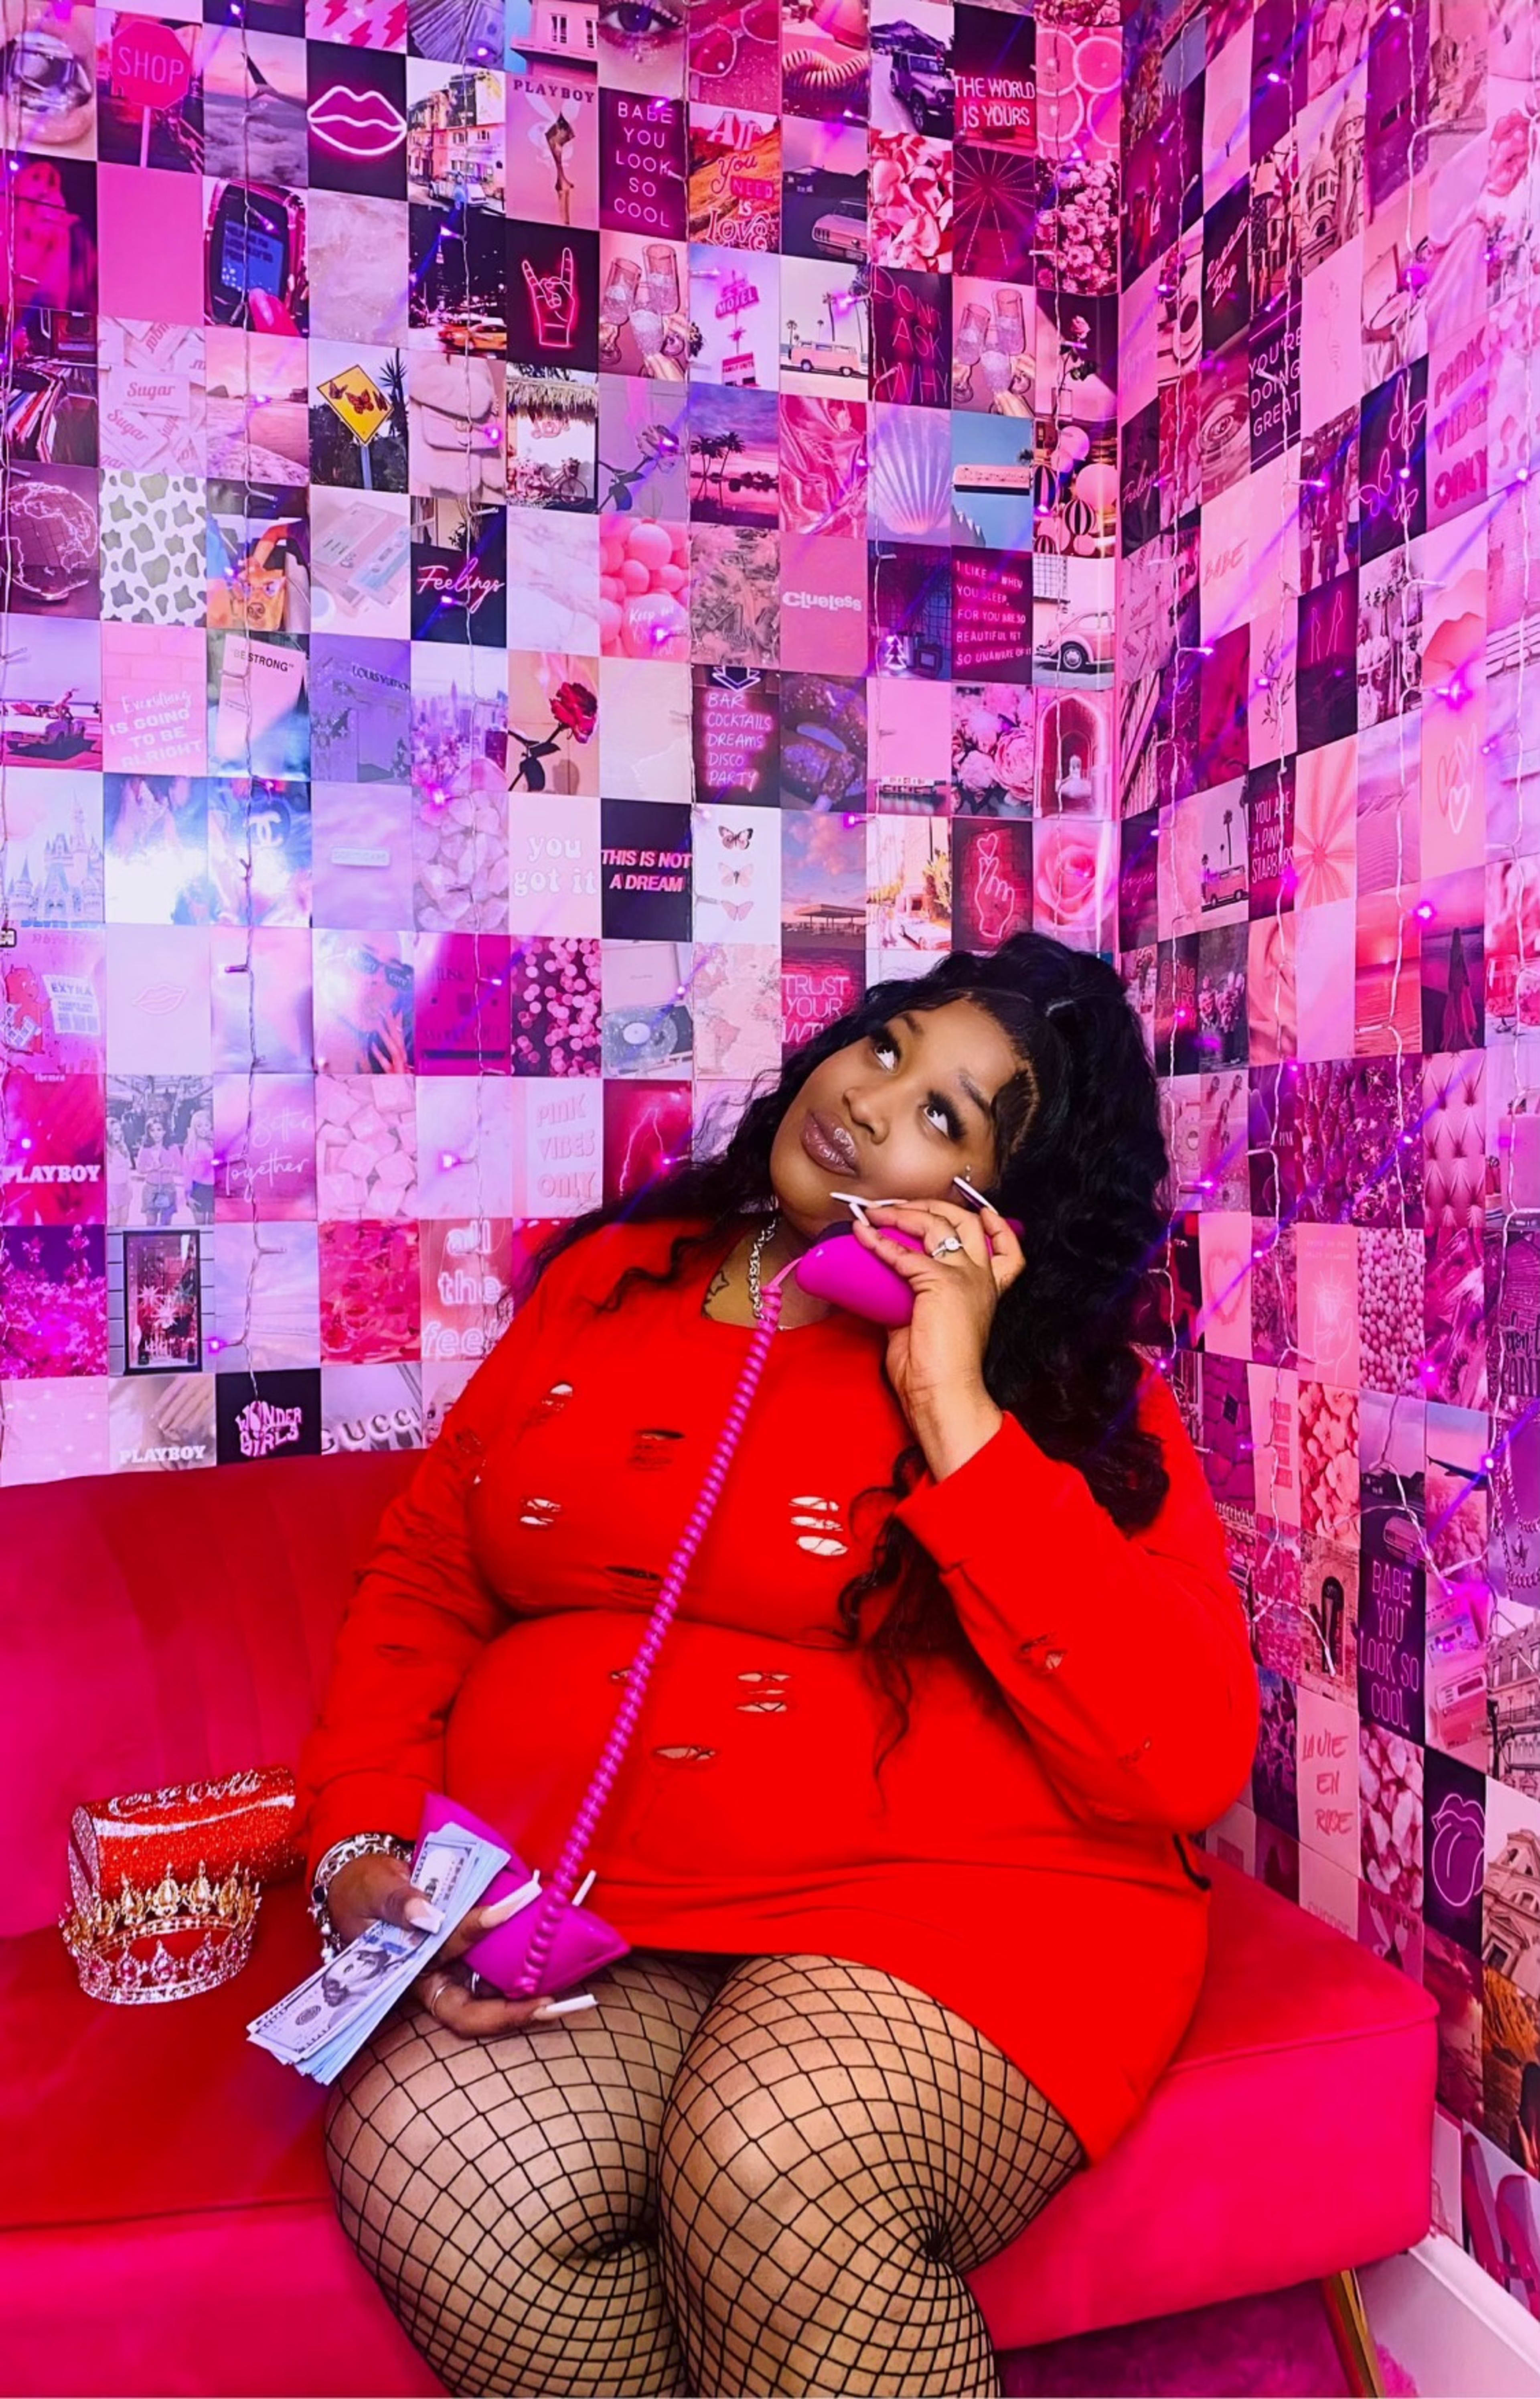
x,y
165,1943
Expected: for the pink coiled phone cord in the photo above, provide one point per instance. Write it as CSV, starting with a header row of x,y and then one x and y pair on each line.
x,y
564,1882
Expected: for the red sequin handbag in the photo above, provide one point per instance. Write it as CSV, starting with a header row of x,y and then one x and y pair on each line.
x,y
167,1883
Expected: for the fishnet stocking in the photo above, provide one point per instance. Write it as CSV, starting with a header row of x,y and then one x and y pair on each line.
x,y
504,2192
838,2152
793,2159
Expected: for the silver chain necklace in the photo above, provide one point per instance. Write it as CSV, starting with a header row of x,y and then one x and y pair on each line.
x,y
762,1242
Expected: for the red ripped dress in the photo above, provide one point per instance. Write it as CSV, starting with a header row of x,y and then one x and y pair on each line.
x,y
1019,1860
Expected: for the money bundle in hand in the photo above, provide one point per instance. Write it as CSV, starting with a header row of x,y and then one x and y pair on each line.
x,y
327,2019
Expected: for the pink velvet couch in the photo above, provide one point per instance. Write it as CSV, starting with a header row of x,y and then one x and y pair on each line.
x,y
166,2224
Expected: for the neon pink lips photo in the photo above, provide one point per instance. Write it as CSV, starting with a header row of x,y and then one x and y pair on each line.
x,y
357,124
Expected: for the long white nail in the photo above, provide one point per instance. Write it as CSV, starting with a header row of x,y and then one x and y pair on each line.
x,y
549,2007
424,1915
501,1909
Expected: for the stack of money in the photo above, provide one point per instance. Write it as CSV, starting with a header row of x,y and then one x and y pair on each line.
x,y
327,2019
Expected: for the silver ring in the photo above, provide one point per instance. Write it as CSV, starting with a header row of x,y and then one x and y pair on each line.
x,y
434,1993
475,1982
944,1248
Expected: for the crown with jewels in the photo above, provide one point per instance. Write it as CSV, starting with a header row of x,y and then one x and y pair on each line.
x,y
167,1883
168,1943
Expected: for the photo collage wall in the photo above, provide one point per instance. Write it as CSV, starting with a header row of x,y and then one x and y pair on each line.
x,y
544,543
1328,912
541,549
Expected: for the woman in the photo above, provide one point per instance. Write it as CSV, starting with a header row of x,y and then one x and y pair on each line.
x,y
159,1167
198,1159
362,1005
899,1840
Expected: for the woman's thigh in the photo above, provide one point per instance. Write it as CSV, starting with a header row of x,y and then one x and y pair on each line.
x,y
839,2151
500,2190
596,2081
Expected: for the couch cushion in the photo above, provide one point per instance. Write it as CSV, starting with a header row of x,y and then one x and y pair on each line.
x,y
167,2228
115,2112
1290,2137
238,2303
154,1630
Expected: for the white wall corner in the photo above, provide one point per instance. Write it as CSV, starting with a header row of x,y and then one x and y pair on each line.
x,y
1458,2334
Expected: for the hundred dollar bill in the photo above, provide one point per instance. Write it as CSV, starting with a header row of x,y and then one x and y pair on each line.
x,y
324,2064
326,2020
344,2000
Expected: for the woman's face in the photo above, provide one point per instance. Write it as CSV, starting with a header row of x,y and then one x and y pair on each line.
x,y
895,1117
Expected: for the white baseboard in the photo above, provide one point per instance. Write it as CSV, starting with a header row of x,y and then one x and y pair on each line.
x,y
1458,2334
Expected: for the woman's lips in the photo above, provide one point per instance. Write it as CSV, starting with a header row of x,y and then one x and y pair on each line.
x,y
829,1144
359,124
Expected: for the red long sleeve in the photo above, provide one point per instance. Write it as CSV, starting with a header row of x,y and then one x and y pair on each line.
x,y
420,1614
1125,1658
1001,1847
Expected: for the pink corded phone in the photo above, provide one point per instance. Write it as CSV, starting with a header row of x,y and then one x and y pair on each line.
x,y
553,1942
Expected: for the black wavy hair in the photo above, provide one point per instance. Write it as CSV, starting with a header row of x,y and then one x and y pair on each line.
x,y
1082,1162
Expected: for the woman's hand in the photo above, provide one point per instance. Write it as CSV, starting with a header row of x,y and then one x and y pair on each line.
x,y
936,1362
377,1888
392,1057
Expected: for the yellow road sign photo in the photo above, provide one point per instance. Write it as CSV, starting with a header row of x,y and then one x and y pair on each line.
x,y
357,400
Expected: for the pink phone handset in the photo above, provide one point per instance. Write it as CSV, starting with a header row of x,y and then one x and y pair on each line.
x,y
838,1268
554,1940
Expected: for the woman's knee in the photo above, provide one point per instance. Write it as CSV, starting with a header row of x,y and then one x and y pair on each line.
x,y
553,2136
750,2147
824,2110
505,2211
389,2122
